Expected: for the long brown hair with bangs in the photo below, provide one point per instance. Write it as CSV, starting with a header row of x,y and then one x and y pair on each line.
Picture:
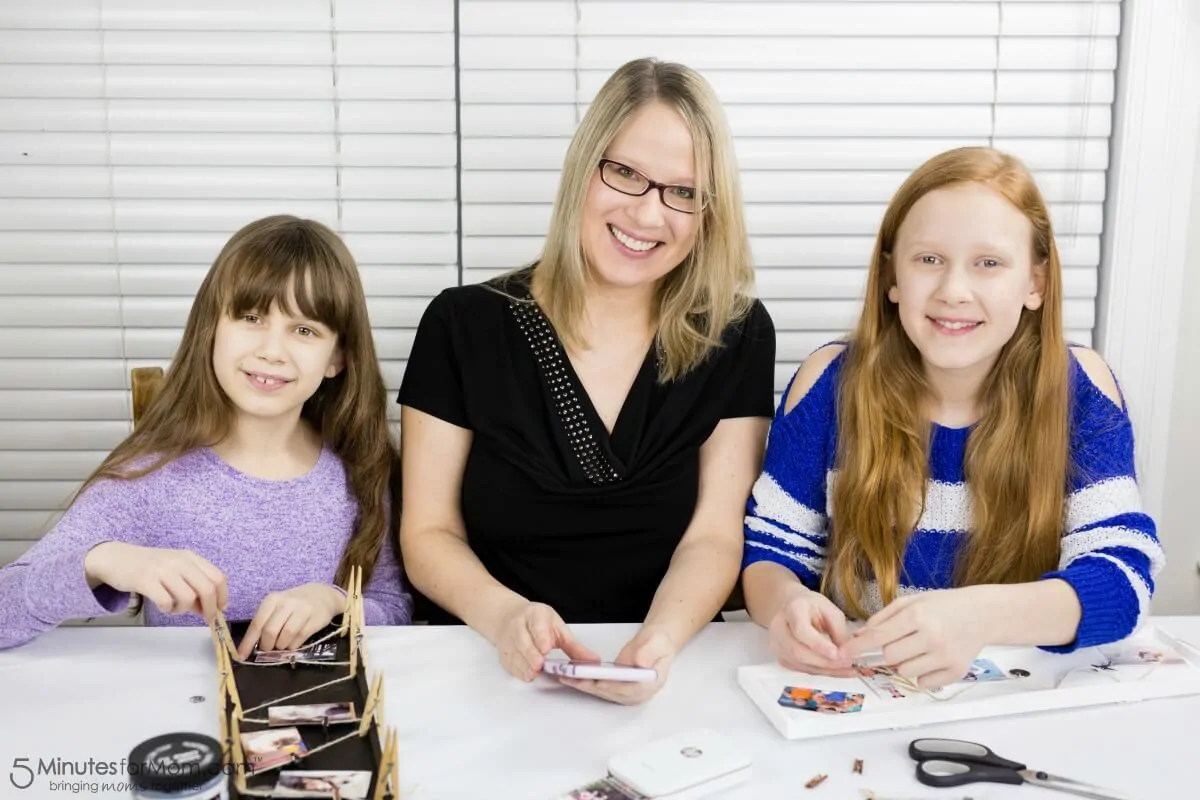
x,y
1016,460
274,260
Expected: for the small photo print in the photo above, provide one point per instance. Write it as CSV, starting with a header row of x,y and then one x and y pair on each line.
x,y
1140,655
350,784
882,681
983,670
601,790
321,714
325,651
825,702
269,748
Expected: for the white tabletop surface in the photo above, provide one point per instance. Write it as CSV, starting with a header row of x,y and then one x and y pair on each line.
x,y
466,729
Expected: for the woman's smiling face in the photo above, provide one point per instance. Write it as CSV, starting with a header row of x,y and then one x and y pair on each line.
x,y
633,241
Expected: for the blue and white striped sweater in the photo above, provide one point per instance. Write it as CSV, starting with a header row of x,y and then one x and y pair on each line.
x,y
1110,550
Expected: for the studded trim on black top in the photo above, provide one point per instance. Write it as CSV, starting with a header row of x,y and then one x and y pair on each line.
x,y
551,360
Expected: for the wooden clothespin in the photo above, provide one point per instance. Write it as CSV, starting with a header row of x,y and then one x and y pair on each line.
x,y
387,780
373,707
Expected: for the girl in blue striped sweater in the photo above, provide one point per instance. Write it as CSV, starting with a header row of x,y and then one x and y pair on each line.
x,y
954,473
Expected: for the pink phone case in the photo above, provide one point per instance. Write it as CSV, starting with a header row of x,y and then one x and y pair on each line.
x,y
598,670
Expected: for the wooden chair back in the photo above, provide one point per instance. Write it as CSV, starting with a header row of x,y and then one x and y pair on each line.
x,y
146,382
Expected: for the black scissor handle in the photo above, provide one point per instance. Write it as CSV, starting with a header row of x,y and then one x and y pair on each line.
x,y
937,772
958,750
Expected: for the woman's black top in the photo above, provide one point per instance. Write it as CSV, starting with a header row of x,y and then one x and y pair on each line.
x,y
558,510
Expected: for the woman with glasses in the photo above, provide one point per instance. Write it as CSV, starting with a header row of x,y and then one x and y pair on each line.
x,y
580,436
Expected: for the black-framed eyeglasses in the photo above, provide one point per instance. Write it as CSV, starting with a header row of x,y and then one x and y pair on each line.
x,y
627,180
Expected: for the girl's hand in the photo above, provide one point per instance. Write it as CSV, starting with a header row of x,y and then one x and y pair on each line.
x,y
176,581
806,634
649,648
930,638
286,620
528,633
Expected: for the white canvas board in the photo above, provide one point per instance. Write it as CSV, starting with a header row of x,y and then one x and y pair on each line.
x,y
1055,681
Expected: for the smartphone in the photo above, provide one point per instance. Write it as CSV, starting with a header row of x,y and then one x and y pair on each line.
x,y
691,764
598,670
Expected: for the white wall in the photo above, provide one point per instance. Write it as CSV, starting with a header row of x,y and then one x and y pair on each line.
x,y
1178,590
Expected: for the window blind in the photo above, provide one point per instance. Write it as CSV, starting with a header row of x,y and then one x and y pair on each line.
x,y
137,135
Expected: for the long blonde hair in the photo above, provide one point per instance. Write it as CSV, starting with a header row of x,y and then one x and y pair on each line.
x,y
699,299
264,263
1017,455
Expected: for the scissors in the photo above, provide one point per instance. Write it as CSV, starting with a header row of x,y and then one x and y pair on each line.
x,y
952,762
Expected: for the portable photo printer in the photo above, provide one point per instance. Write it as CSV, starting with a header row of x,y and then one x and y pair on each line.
x,y
685,766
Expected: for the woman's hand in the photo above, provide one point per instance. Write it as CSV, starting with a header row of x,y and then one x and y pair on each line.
x,y
286,620
806,634
176,581
528,633
931,637
652,648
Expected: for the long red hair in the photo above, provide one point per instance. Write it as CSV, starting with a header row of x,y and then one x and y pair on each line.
x,y
1017,454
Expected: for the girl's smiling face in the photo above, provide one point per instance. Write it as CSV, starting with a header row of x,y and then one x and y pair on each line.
x,y
270,362
963,271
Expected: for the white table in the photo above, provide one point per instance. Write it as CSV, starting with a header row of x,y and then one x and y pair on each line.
x,y
80,694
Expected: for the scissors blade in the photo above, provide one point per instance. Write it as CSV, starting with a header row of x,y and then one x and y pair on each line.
x,y
1072,787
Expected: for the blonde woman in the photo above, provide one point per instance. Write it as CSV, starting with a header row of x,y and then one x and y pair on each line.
x,y
580,436
956,473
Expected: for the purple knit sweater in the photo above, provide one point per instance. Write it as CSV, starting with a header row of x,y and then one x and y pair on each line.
x,y
265,535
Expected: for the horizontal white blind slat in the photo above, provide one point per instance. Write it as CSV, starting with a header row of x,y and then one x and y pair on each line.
x,y
393,49
394,15
721,19
83,14
51,80
396,83
58,279
155,48
62,311
49,465
79,404
82,374
217,15
59,342
50,47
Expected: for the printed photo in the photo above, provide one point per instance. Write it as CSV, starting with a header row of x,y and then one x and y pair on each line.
x,y
325,651
269,748
984,670
884,682
1140,655
350,784
600,790
825,702
320,714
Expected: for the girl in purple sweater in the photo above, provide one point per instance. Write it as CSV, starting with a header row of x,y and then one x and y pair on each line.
x,y
258,476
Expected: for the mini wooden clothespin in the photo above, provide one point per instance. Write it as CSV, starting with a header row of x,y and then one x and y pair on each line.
x,y
373,707
387,782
